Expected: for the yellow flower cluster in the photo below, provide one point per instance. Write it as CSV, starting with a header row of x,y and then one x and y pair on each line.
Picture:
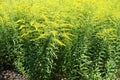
x,y
55,17
107,34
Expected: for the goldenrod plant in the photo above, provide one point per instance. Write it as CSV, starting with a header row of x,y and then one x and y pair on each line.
x,y
61,39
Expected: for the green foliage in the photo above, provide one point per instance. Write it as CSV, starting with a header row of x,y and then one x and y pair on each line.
x,y
61,40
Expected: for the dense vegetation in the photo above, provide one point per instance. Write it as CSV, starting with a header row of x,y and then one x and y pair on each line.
x,y
61,39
